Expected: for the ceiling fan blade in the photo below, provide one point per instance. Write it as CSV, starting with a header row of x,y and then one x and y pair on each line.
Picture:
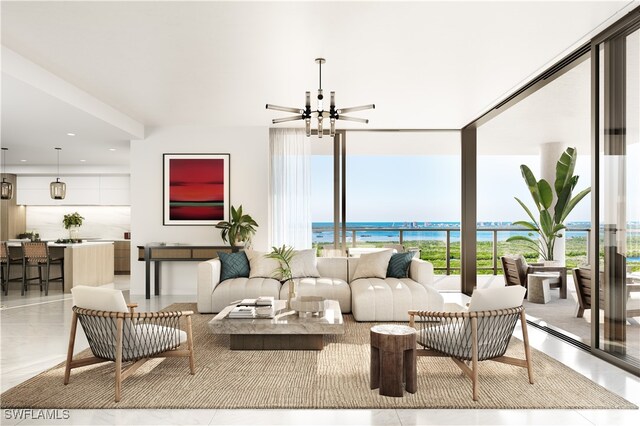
x,y
356,119
285,109
285,119
307,125
332,130
333,100
357,108
307,102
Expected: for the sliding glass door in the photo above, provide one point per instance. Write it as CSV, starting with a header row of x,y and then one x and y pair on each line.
x,y
616,265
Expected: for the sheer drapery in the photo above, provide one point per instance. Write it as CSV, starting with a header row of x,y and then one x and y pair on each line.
x,y
290,171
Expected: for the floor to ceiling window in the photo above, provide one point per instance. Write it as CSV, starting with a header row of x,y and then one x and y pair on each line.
x,y
402,188
535,132
616,268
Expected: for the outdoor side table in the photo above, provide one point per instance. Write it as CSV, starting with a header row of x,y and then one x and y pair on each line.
x,y
393,359
539,287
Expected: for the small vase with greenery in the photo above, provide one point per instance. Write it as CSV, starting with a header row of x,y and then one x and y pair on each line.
x,y
284,255
239,229
72,222
550,222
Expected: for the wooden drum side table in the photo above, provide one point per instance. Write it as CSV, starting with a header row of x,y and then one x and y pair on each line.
x,y
393,359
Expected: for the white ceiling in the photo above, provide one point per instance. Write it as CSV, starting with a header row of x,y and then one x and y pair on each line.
x,y
424,64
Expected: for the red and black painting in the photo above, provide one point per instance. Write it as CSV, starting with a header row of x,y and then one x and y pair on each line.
x,y
196,188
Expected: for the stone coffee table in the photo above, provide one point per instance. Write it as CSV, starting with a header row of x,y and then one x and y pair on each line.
x,y
286,331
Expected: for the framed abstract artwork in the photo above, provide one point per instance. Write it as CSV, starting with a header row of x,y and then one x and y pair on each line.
x,y
196,189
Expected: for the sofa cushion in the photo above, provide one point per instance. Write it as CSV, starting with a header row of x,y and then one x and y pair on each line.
x,y
303,264
263,266
234,265
329,288
373,265
242,288
390,299
399,265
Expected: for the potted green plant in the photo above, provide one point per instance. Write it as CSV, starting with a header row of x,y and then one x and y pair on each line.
x,y
239,229
550,220
72,222
284,255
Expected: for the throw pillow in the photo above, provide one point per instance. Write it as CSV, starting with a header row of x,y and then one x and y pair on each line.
x,y
304,264
399,265
233,265
373,265
492,299
262,266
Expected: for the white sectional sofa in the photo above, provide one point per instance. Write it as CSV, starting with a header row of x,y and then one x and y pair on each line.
x,y
369,299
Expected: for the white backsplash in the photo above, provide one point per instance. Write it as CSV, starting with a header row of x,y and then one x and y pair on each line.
x,y
108,222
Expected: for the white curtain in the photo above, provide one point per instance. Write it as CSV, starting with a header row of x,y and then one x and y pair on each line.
x,y
290,172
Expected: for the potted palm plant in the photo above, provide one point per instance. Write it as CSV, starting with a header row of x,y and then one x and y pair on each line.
x,y
284,255
239,229
550,221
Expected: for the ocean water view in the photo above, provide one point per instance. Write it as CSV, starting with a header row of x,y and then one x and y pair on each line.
x,y
388,232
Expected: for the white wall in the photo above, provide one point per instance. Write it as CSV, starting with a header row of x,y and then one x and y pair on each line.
x,y
108,222
249,169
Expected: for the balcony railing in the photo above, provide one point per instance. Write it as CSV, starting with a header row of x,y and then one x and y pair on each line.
x,y
353,232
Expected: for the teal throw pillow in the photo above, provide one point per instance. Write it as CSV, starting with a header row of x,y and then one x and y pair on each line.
x,y
234,265
399,265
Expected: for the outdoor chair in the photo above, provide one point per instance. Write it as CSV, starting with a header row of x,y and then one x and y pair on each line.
x,y
482,332
516,269
36,255
582,280
118,334
6,260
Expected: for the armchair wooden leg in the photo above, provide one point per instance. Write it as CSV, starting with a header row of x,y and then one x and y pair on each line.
x,y
527,350
192,364
120,327
474,357
72,341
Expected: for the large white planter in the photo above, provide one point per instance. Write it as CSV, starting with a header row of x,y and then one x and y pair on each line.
x,y
74,232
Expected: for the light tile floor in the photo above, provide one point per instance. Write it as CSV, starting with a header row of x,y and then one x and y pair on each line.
x,y
35,331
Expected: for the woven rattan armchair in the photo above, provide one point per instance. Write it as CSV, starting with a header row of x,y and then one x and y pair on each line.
x,y
470,336
123,337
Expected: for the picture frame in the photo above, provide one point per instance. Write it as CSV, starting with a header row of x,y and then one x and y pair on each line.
x,y
196,188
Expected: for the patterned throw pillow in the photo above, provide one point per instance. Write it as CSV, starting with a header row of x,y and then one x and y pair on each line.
x,y
233,265
399,265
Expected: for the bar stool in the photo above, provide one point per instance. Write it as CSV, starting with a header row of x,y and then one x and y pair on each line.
x,y
6,260
36,255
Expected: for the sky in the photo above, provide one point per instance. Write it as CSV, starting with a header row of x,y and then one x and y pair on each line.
x,y
427,188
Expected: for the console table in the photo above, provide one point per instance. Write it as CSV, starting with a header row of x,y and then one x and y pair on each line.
x,y
159,252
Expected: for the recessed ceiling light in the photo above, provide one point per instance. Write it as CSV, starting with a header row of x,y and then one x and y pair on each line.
x,y
82,161
71,134
23,161
112,149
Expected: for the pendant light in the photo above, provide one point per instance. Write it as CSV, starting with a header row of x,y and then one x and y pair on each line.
x,y
7,187
320,113
58,189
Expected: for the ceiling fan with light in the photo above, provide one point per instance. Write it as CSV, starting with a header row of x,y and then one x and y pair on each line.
x,y
320,114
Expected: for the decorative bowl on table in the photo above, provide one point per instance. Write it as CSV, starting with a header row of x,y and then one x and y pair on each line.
x,y
308,306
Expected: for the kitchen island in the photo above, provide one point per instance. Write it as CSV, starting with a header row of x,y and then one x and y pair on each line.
x,y
88,263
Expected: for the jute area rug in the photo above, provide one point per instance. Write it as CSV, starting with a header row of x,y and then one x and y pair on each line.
x,y
336,377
